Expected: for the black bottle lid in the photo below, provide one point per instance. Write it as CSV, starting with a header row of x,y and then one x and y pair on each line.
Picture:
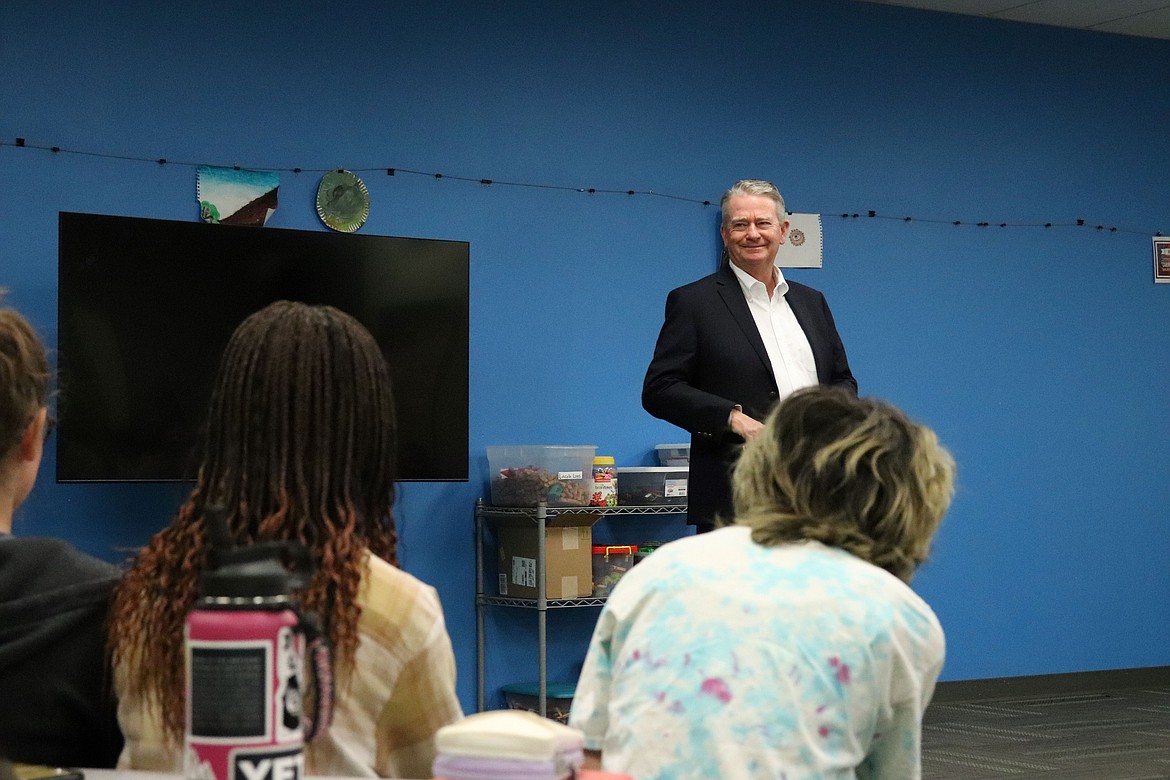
x,y
265,570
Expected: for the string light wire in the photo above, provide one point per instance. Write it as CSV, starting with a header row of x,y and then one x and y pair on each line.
x,y
486,182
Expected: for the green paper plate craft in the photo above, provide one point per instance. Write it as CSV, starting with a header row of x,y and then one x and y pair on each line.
x,y
343,202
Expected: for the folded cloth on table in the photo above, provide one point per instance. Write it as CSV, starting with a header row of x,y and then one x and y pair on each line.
x,y
507,745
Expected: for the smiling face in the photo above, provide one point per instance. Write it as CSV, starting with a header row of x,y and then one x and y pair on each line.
x,y
753,233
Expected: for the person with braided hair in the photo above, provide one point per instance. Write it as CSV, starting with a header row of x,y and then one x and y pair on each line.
x,y
299,445
788,644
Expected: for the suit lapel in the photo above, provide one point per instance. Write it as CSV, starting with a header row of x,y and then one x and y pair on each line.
x,y
732,295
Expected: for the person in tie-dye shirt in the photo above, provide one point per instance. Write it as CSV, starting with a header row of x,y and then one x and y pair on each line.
x,y
788,644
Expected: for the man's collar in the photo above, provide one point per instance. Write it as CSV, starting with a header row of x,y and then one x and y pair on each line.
x,y
747,281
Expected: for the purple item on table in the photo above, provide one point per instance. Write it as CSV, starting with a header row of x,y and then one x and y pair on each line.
x,y
479,768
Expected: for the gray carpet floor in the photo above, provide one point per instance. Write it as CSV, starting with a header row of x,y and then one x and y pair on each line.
x,y
1119,734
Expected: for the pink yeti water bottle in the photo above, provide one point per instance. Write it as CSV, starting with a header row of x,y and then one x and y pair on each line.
x,y
246,646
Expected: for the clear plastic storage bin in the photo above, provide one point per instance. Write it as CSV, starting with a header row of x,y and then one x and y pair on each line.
x,y
558,698
610,562
527,475
652,485
674,454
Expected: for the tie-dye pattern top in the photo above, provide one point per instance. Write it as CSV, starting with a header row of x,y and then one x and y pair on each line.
x,y
719,658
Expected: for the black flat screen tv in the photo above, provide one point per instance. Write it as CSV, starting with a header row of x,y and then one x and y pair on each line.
x,y
146,307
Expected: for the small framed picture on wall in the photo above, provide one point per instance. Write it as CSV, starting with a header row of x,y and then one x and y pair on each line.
x,y
1161,260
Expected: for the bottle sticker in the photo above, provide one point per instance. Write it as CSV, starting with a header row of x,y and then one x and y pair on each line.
x,y
289,686
259,764
603,495
228,689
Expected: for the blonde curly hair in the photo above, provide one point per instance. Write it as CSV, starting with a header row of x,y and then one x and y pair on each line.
x,y
849,472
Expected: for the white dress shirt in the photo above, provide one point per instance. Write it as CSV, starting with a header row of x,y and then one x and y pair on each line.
x,y
784,340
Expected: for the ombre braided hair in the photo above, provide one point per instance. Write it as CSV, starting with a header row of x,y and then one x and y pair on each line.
x,y
299,445
853,473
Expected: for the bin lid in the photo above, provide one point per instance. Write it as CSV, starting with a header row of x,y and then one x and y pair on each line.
x,y
553,690
615,549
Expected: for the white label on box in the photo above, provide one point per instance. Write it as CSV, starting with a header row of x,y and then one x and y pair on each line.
x,y
574,476
569,587
524,571
503,584
675,488
569,538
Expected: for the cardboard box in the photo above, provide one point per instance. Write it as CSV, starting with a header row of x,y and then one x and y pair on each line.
x,y
568,551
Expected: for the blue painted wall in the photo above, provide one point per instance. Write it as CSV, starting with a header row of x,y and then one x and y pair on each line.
x,y
1040,355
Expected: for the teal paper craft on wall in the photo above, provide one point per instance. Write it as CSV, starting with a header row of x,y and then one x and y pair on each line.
x,y
236,197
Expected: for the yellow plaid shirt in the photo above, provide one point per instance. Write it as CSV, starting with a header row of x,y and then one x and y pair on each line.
x,y
385,717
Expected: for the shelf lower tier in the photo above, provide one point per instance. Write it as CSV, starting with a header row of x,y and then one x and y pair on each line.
x,y
504,601
656,509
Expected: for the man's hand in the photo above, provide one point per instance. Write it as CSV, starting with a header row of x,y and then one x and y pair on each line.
x,y
745,426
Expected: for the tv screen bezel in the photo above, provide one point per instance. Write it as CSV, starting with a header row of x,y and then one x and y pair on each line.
x,y
447,277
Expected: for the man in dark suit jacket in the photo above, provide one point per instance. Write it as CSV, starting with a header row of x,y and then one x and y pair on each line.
x,y
734,343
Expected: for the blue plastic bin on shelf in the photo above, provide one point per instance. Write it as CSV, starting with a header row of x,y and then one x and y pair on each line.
x,y
526,696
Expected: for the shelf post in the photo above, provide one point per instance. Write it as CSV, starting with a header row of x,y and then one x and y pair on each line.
x,y
542,607
486,514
